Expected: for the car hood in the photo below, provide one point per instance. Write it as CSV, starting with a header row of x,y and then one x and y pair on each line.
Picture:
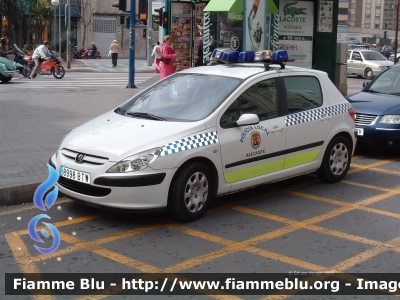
x,y
8,63
117,137
378,63
375,104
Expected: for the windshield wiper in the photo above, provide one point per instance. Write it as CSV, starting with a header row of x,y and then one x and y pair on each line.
x,y
394,93
145,115
372,91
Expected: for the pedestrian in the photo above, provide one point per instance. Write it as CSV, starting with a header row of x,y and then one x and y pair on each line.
x,y
3,47
157,54
40,52
168,54
94,49
199,59
114,48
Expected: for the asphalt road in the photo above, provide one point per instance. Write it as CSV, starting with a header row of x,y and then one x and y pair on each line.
x,y
301,224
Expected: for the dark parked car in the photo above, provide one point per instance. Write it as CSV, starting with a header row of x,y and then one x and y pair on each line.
x,y
377,109
387,51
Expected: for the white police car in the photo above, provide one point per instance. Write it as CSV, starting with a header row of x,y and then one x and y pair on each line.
x,y
209,131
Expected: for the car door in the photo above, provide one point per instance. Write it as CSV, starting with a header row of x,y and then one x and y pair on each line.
x,y
250,152
355,64
308,120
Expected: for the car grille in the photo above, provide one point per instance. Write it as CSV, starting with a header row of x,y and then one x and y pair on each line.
x,y
82,188
365,120
90,159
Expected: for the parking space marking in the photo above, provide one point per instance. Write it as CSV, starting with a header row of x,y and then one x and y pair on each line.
x,y
29,206
230,246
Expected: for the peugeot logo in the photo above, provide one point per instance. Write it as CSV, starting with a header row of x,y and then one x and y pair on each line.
x,y
79,158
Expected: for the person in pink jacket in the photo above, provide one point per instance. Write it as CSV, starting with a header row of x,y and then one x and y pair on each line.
x,y
167,68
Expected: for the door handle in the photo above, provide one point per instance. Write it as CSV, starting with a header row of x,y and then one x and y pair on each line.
x,y
325,117
276,129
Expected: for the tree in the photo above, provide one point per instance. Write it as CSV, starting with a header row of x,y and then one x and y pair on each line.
x,y
40,13
85,9
13,10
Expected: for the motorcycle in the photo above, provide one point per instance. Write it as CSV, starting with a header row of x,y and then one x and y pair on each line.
x,y
49,67
21,60
77,54
87,54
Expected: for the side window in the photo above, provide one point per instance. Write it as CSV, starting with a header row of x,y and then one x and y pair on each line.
x,y
260,99
356,55
303,93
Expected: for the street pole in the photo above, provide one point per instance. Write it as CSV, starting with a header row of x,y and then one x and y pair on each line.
x,y
69,35
132,26
149,30
59,28
396,34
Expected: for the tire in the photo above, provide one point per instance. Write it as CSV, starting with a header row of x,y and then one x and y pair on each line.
x,y
26,72
5,79
191,192
59,72
336,161
368,74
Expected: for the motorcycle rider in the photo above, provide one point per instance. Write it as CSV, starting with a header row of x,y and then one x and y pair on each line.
x,y
94,50
40,52
3,48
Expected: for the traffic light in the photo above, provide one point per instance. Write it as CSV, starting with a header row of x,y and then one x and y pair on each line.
x,y
121,4
165,19
385,34
144,33
158,18
143,6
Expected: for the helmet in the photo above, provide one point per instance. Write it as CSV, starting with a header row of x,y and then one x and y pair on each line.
x,y
3,40
46,43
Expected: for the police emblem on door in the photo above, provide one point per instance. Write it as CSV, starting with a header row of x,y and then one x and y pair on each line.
x,y
255,139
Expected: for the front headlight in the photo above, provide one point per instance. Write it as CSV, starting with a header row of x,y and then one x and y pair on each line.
x,y
136,162
390,119
382,67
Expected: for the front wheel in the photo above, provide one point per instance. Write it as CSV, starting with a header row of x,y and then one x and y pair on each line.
x,y
191,192
26,72
336,161
368,74
59,72
5,79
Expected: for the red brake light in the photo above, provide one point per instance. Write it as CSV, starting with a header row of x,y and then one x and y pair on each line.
x,y
352,113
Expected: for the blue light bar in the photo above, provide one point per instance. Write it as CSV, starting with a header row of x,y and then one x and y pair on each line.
x,y
279,56
229,56
247,56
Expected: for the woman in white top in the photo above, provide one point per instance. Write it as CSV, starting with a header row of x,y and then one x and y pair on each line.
x,y
157,54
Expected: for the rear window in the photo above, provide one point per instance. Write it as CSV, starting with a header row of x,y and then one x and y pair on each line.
x,y
303,93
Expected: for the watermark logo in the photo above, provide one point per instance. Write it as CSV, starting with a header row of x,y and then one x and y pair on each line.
x,y
51,197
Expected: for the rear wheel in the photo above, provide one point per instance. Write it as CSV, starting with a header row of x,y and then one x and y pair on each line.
x,y
336,161
191,192
5,79
59,72
368,74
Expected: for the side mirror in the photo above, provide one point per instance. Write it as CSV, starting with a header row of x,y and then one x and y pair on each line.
x,y
248,119
365,83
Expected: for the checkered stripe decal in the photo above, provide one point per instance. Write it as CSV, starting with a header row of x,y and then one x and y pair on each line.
x,y
316,114
194,141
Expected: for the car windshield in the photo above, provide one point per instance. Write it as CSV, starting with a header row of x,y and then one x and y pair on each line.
x,y
372,55
181,97
387,83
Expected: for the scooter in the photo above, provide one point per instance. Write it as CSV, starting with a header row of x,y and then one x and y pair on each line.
x,y
21,60
87,54
49,67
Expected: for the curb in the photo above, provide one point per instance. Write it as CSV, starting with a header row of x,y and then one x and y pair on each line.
x,y
17,194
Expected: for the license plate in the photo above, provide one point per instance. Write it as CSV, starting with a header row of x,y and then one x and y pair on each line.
x,y
75,175
360,131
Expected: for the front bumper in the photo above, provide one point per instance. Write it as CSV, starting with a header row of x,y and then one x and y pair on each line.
x,y
379,137
147,189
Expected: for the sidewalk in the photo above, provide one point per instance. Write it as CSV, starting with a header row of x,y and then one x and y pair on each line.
x,y
28,140
104,65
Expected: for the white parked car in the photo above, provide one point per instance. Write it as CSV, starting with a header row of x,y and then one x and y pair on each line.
x,y
209,131
366,63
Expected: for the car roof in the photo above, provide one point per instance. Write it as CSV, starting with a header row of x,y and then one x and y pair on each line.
x,y
244,70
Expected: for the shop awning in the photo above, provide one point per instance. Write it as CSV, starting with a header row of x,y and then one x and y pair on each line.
x,y
225,5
